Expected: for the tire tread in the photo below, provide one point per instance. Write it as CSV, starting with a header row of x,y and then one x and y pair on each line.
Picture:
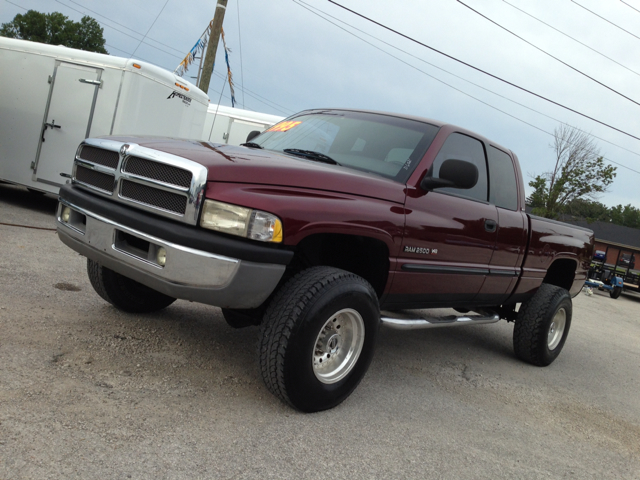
x,y
281,317
529,340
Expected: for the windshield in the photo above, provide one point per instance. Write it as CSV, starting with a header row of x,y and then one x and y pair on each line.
x,y
375,143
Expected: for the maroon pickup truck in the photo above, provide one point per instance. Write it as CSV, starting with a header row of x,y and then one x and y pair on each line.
x,y
321,229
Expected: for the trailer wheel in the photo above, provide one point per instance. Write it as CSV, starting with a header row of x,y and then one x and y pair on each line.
x,y
317,338
542,325
615,293
124,293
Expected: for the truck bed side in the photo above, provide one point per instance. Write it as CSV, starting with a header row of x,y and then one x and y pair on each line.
x,y
557,253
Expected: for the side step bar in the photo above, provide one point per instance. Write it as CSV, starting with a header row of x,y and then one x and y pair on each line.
x,y
407,321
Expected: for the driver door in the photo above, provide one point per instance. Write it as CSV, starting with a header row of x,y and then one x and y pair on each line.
x,y
449,238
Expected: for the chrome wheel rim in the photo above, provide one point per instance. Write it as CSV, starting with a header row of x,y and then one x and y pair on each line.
x,y
338,346
556,329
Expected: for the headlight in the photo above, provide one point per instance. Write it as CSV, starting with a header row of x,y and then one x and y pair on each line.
x,y
241,221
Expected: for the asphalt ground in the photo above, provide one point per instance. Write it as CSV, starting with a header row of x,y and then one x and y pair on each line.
x,y
87,391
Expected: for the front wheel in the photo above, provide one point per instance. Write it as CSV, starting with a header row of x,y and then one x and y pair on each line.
x,y
124,293
317,338
542,325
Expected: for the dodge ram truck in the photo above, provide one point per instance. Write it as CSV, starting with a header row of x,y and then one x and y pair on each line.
x,y
321,229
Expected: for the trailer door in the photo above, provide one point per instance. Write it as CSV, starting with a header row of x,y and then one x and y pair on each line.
x,y
67,120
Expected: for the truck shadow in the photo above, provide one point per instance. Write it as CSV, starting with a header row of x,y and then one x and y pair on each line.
x,y
630,296
19,196
479,342
193,342
625,295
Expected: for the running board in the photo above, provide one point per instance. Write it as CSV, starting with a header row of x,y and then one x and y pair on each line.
x,y
407,321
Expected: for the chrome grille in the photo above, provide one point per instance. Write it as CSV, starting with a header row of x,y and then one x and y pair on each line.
x,y
158,171
99,156
154,197
100,180
141,177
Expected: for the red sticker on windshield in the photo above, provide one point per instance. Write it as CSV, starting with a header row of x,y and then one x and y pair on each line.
x,y
283,126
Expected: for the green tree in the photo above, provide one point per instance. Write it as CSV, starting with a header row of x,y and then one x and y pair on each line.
x,y
579,173
628,216
56,29
588,209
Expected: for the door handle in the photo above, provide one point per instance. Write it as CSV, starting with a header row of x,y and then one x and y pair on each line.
x,y
490,225
90,81
49,125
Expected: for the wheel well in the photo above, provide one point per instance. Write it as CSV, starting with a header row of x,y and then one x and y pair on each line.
x,y
364,256
561,273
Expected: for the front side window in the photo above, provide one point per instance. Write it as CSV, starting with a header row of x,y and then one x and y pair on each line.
x,y
375,143
463,147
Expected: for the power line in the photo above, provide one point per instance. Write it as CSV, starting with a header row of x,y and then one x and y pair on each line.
x,y
485,72
448,72
304,5
113,28
309,8
124,33
256,96
19,6
547,53
260,98
629,5
127,53
572,38
154,22
608,21
117,23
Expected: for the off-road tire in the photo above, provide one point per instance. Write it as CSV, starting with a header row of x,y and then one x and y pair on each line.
x,y
294,322
533,340
615,293
123,293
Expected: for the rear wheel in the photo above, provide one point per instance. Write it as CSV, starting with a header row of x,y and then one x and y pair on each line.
x,y
124,293
615,293
542,325
317,338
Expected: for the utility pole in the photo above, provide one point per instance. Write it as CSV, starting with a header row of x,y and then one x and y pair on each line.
x,y
212,47
199,69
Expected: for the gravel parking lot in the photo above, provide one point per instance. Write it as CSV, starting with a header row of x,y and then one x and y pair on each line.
x,y
87,391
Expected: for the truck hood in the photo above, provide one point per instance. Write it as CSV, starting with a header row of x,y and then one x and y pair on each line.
x,y
227,163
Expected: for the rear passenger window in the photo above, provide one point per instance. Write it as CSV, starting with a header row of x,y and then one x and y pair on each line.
x,y
504,189
462,147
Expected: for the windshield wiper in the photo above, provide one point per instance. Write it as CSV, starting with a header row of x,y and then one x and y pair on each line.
x,y
311,155
251,145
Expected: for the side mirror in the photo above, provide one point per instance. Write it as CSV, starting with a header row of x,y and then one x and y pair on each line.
x,y
253,134
453,173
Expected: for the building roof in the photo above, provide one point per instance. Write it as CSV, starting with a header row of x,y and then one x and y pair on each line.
x,y
607,232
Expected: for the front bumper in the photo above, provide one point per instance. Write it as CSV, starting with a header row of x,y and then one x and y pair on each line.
x,y
196,274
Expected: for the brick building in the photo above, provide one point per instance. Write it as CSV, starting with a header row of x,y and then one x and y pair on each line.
x,y
621,247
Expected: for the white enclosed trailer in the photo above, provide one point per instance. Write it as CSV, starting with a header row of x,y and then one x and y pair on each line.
x,y
53,97
232,125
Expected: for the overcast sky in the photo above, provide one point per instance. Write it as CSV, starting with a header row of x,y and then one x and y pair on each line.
x,y
289,59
